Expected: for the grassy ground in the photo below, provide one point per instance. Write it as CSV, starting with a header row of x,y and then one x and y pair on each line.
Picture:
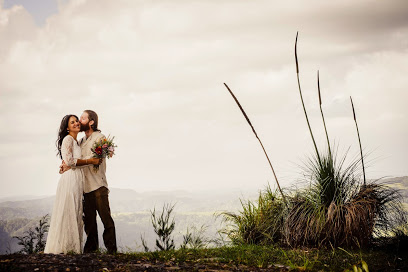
x,y
237,258
291,259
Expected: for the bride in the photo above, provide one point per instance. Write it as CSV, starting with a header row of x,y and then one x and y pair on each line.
x,y
66,227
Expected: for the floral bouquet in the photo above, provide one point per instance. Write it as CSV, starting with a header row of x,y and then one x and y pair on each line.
x,y
103,148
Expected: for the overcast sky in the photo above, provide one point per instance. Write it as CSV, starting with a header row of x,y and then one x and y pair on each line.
x,y
154,72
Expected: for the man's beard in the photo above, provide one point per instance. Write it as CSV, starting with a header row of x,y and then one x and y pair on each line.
x,y
85,127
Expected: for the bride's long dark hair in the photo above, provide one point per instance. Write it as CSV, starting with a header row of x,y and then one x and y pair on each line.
x,y
62,132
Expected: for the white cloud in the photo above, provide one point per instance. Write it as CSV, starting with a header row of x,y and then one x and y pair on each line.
x,y
154,73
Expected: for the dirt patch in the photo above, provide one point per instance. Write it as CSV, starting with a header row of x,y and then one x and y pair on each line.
x,y
107,263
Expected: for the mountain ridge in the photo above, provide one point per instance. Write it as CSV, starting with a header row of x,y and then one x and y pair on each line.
x,y
131,212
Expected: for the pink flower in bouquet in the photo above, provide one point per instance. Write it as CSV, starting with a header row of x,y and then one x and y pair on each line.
x,y
111,151
105,146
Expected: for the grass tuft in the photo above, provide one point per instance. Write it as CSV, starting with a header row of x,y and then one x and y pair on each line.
x,y
258,223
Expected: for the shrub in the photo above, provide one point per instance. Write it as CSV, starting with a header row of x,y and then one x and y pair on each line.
x,y
33,241
163,227
257,223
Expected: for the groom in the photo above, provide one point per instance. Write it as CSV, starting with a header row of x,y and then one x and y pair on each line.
x,y
95,189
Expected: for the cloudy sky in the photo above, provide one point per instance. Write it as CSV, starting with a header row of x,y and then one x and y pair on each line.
x,y
154,72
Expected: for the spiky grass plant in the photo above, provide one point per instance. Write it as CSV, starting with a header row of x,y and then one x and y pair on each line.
x,y
195,238
333,184
344,212
337,209
259,222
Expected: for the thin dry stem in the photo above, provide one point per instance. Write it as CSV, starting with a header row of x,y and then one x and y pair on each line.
x,y
359,140
321,110
256,135
301,98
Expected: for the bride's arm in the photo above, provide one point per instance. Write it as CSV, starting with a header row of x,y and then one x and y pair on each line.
x,y
68,158
64,167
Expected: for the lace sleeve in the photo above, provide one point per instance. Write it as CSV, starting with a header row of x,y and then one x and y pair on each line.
x,y
67,151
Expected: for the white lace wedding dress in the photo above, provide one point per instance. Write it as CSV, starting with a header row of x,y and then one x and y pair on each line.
x,y
66,227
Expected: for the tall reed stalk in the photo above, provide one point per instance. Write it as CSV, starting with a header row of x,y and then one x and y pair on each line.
x,y
301,97
359,140
256,135
321,110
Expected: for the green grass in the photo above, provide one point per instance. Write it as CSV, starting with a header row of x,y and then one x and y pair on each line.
x,y
273,256
259,222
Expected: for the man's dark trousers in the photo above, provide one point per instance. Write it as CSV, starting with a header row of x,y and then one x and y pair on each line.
x,y
98,201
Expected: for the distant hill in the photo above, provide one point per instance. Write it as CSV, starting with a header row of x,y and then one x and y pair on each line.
x,y
20,198
26,208
131,212
400,183
127,200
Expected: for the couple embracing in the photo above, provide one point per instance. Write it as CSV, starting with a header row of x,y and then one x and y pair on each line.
x,y
81,191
